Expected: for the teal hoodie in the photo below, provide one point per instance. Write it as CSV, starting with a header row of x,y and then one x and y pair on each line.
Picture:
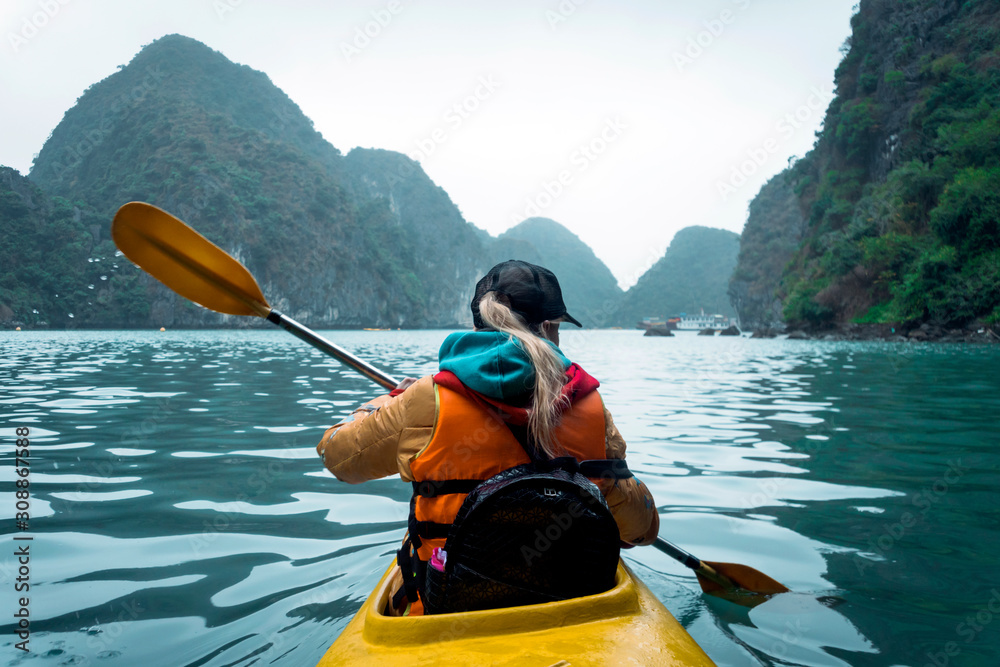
x,y
492,363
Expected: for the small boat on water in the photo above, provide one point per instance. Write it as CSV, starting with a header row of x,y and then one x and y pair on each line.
x,y
626,625
702,322
685,322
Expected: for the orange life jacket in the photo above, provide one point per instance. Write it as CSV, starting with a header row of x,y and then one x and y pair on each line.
x,y
470,444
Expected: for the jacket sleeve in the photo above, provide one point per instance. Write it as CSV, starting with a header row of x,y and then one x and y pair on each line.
x,y
381,437
630,501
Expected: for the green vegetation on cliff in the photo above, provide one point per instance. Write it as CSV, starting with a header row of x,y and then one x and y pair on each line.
x,y
58,267
902,191
221,147
365,239
437,249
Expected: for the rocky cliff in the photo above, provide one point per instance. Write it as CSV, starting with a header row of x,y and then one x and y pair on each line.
x,y
365,239
432,240
901,194
222,148
770,239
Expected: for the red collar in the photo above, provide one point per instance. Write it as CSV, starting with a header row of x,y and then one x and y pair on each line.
x,y
578,384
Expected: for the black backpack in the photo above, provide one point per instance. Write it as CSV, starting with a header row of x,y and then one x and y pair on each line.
x,y
533,533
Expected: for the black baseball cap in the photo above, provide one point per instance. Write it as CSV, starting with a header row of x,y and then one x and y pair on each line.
x,y
533,293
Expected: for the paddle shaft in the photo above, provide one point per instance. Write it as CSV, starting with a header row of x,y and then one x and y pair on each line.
x,y
372,373
700,568
376,375
309,336
194,267
732,591
692,562
677,553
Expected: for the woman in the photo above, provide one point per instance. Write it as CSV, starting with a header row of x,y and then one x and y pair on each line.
x,y
501,389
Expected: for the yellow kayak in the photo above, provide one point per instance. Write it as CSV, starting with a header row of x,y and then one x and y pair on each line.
x,y
626,625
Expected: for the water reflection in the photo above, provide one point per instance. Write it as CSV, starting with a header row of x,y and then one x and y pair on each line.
x,y
183,511
793,628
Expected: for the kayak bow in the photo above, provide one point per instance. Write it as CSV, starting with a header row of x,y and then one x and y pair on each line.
x,y
626,625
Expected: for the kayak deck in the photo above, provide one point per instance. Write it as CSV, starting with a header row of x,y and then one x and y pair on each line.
x,y
626,625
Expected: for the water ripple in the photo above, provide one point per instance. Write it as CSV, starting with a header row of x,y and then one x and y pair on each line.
x,y
195,520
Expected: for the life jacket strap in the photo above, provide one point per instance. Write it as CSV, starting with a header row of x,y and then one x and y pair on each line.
x,y
429,530
404,558
408,561
600,468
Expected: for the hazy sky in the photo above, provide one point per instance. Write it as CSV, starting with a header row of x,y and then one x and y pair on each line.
x,y
625,121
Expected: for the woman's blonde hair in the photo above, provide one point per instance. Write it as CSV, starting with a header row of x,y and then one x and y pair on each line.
x,y
547,401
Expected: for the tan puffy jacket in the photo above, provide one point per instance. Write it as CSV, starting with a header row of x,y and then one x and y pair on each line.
x,y
383,436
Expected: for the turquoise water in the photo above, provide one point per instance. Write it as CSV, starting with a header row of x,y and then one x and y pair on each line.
x,y
180,516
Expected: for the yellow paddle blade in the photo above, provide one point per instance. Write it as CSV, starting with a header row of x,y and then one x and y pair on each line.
x,y
753,586
185,261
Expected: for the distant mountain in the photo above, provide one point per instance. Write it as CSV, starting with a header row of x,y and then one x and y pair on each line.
x,y
692,276
431,239
221,147
365,239
503,248
589,289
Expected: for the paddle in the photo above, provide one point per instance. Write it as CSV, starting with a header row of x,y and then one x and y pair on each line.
x,y
731,581
194,267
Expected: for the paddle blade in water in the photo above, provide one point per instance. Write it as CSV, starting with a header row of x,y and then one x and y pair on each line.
x,y
734,582
185,261
753,586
